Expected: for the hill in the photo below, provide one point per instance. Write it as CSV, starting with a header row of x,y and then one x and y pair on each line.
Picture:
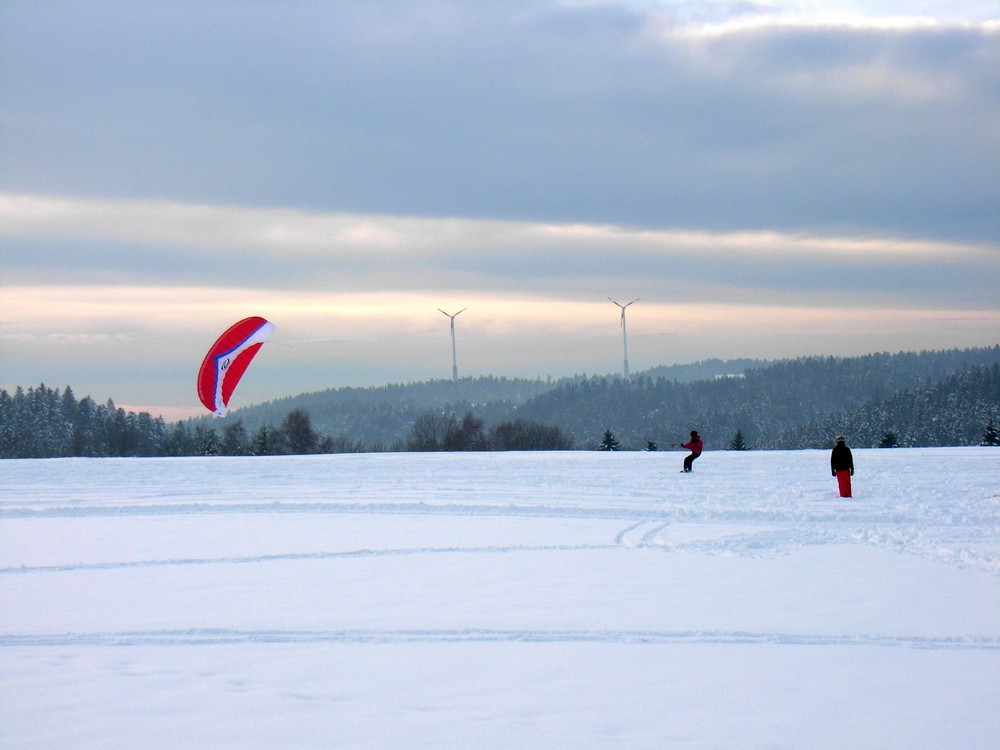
x,y
784,404
382,416
906,399
790,404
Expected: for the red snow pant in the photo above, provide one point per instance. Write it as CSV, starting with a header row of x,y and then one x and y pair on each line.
x,y
844,482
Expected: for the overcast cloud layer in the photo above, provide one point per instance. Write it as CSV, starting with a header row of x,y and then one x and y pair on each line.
x,y
748,170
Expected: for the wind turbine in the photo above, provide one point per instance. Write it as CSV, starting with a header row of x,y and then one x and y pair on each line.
x,y
454,358
624,337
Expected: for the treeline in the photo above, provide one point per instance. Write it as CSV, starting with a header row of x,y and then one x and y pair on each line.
x,y
962,409
770,403
45,422
383,415
446,432
930,398
906,399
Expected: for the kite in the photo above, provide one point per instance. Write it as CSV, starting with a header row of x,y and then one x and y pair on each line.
x,y
227,360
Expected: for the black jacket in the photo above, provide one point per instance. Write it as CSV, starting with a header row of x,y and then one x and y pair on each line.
x,y
841,458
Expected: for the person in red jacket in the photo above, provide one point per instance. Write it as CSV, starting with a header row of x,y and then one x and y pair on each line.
x,y
694,445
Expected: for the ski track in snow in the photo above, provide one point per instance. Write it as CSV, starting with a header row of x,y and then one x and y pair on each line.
x,y
227,636
298,556
948,544
962,545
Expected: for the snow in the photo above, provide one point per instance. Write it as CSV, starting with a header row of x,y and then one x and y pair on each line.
x,y
501,600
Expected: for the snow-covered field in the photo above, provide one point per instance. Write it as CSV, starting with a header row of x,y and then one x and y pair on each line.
x,y
524,600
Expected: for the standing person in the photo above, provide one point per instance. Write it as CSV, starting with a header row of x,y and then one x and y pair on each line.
x,y
694,445
842,466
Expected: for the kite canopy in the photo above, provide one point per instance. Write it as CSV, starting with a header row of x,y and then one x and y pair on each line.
x,y
227,360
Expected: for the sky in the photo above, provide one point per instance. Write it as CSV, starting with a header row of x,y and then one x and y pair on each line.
x,y
770,179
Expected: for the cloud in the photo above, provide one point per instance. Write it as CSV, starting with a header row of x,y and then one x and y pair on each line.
x,y
171,244
613,113
724,16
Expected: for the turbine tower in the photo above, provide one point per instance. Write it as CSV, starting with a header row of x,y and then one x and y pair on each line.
x,y
624,337
454,358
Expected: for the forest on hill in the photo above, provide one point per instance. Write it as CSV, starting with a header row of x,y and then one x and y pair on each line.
x,y
382,417
907,399
927,398
783,404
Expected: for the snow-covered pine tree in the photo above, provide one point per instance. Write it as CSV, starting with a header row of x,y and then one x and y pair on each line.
x,y
609,442
889,440
738,443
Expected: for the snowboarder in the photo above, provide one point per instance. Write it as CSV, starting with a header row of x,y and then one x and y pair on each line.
x,y
842,466
694,445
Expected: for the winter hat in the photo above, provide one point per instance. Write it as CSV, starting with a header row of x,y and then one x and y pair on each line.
x,y
694,433
840,438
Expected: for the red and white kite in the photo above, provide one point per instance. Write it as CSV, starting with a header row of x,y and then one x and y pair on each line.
x,y
227,360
